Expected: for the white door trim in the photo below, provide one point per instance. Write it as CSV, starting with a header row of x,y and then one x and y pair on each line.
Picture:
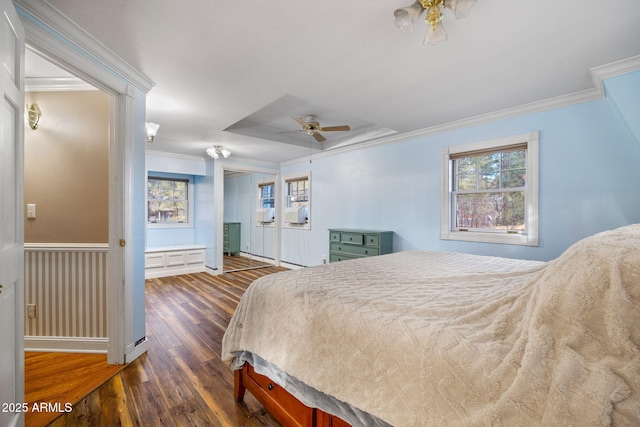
x,y
62,42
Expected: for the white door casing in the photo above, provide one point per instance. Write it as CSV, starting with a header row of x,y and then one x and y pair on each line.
x,y
11,220
59,40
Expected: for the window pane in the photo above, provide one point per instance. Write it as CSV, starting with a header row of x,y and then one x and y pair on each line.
x,y
495,211
167,211
466,182
466,165
514,178
297,193
488,163
489,181
267,197
514,160
179,190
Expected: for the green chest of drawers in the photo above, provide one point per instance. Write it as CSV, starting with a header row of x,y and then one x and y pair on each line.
x,y
231,238
351,243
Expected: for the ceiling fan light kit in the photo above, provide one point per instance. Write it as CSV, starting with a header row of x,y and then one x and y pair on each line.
x,y
406,16
311,126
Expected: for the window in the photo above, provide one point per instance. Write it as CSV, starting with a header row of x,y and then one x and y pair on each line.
x,y
266,195
297,192
168,200
490,191
266,204
298,197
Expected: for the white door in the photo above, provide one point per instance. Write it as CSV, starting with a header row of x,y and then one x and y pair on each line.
x,y
11,220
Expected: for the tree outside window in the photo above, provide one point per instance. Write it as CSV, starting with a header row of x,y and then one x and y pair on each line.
x,y
167,200
489,190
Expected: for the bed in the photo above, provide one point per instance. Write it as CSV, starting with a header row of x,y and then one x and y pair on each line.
x,y
430,338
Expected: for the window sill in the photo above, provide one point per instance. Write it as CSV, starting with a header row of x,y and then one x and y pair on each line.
x,y
297,226
175,225
505,239
266,224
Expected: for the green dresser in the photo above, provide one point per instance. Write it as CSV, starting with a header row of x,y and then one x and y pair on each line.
x,y
350,243
231,242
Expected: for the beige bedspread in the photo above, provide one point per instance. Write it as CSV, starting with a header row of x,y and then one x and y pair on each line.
x,y
428,338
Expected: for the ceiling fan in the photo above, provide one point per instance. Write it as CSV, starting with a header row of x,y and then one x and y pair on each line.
x,y
312,127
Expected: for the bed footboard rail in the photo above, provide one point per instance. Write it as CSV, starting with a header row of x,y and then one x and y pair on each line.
x,y
285,408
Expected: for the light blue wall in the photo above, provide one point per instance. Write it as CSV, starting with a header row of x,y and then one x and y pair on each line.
x,y
171,165
161,237
588,183
624,94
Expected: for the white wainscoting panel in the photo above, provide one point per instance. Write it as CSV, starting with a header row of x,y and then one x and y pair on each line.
x,y
67,284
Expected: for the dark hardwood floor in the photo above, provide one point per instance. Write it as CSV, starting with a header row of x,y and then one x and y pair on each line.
x,y
181,380
236,262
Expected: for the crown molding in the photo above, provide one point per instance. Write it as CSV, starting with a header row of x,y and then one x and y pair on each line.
x,y
41,17
607,71
598,75
56,84
149,152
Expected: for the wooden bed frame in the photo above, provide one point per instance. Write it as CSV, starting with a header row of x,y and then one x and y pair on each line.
x,y
285,408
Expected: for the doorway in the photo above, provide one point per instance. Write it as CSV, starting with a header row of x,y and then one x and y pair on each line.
x,y
54,37
66,192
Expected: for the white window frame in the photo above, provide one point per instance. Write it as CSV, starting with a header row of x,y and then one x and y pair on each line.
x,y
527,238
285,192
259,185
190,202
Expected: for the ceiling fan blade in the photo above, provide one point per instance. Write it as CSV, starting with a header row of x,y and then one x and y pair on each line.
x,y
319,137
301,121
335,128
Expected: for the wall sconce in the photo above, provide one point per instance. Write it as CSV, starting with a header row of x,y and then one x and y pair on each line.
x,y
33,115
152,130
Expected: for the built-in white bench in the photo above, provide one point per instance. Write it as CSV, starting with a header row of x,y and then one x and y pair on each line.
x,y
173,260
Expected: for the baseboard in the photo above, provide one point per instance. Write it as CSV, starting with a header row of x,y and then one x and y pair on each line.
x,y
291,266
137,351
66,344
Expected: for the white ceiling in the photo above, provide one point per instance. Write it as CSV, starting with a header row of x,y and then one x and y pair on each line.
x,y
249,66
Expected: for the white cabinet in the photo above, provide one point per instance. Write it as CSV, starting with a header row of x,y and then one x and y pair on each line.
x,y
174,260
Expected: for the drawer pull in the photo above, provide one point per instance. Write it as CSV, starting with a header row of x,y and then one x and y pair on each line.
x,y
270,386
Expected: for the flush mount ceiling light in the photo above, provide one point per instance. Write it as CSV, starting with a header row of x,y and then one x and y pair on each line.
x,y
33,115
152,130
217,151
406,16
